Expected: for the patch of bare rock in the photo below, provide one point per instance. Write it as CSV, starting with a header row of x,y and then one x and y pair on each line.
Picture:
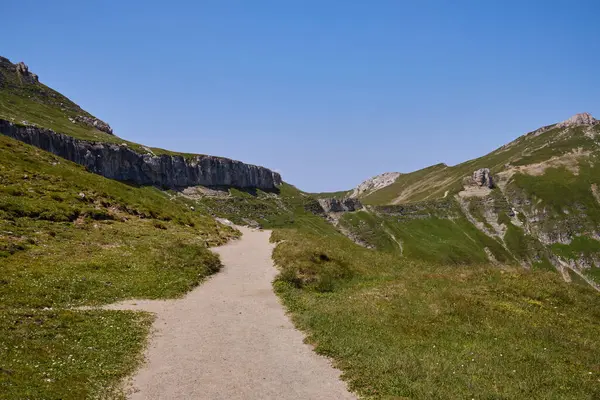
x,y
340,205
479,184
23,71
375,183
578,120
94,123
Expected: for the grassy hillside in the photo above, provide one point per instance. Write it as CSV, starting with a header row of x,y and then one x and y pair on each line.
x,y
546,197
404,329
291,208
433,182
425,315
438,240
71,238
37,104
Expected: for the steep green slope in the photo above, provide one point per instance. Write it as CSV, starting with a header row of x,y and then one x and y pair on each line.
x,y
405,184
59,220
429,235
70,238
27,101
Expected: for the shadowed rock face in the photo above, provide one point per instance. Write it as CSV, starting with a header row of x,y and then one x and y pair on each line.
x,y
121,163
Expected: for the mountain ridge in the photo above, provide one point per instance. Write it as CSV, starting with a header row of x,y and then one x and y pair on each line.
x,y
398,195
80,137
535,200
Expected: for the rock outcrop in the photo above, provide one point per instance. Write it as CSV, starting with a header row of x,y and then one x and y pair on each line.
x,y
578,120
482,178
340,205
375,183
122,163
94,123
23,71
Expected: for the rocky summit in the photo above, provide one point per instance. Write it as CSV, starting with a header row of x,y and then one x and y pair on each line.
x,y
23,71
578,120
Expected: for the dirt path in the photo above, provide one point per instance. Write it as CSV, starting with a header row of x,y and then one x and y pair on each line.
x,y
230,338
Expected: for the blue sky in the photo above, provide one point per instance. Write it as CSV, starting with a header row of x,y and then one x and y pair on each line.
x,y
327,92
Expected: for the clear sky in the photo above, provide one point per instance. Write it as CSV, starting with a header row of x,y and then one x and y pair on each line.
x,y
327,92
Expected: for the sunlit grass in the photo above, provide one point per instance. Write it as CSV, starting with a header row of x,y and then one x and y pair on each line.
x,y
405,329
70,238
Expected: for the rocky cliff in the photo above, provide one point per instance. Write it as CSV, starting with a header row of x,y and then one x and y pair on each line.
x,y
375,183
330,205
121,163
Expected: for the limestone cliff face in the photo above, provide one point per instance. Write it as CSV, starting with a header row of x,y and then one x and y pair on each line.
x,y
375,183
340,205
121,163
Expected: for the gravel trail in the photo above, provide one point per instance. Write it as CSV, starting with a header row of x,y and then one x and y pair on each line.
x,y
230,338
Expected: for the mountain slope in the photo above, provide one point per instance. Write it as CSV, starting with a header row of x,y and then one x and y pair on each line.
x,y
37,115
70,238
461,293
25,100
554,145
536,197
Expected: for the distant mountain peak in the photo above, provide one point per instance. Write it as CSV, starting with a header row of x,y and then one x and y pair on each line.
x,y
579,119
